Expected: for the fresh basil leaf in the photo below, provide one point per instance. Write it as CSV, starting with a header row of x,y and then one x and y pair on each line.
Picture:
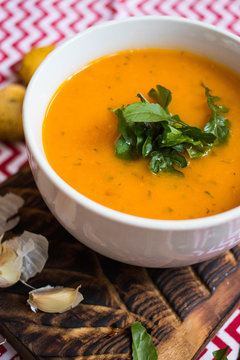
x,y
218,124
197,149
147,146
159,162
162,96
211,101
180,147
178,159
142,345
221,354
145,112
197,134
172,136
220,127
140,132
164,160
123,127
123,150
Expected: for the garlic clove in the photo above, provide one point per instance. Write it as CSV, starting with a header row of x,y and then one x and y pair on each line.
x,y
9,268
22,257
54,299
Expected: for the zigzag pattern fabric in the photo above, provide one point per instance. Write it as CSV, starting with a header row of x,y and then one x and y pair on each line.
x,y
25,24
28,23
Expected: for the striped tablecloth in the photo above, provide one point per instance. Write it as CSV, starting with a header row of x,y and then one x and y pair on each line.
x,y
28,23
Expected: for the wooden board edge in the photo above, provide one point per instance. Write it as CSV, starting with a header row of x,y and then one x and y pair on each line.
x,y
217,328
201,325
16,344
228,296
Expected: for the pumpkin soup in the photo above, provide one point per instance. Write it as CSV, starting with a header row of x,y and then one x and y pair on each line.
x,y
79,133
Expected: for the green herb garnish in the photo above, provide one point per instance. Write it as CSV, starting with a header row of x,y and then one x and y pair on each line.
x,y
149,130
221,354
142,345
162,96
144,349
218,124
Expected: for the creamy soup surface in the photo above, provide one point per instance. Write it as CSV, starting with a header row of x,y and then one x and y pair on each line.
x,y
79,133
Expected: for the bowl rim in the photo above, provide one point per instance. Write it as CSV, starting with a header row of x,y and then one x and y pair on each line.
x,y
101,210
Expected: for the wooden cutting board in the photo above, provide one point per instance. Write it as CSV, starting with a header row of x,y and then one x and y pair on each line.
x,y
182,308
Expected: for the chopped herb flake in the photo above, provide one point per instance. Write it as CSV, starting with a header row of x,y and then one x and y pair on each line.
x,y
209,194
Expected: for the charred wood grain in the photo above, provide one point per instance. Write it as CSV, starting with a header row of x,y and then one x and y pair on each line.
x,y
214,271
236,253
181,288
60,342
138,292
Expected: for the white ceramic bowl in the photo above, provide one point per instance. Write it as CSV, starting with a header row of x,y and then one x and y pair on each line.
x,y
130,239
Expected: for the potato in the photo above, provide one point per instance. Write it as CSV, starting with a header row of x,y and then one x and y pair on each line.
x,y
11,101
31,61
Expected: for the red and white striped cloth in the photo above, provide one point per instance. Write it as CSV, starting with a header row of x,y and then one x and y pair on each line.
x,y
28,23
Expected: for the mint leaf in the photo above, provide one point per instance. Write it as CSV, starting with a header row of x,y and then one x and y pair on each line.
x,y
144,112
218,124
142,345
221,354
162,96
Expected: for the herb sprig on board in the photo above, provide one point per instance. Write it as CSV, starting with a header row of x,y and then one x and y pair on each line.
x,y
149,130
142,345
221,354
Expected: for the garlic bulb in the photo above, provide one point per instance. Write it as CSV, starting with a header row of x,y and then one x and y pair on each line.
x,y
32,252
22,258
54,299
9,205
9,267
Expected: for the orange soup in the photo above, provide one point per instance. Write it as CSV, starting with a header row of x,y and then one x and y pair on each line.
x,y
79,132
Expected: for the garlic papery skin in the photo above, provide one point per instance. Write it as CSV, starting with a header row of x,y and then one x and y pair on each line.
x,y
9,206
9,266
54,299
